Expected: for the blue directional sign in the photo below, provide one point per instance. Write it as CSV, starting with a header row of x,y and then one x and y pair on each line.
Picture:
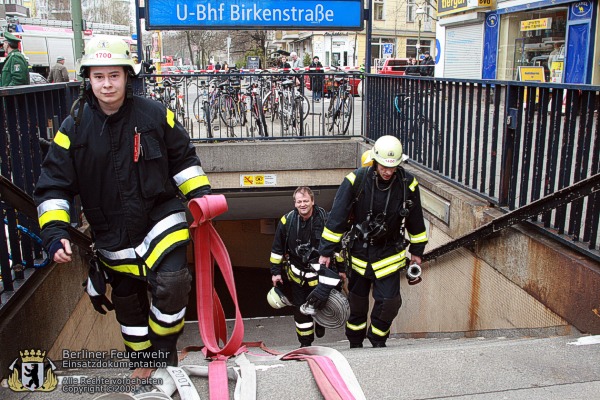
x,y
311,15
388,48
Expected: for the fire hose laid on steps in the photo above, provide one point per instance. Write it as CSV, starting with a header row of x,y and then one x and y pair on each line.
x,y
333,374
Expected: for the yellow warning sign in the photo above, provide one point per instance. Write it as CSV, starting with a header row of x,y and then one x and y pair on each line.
x,y
258,180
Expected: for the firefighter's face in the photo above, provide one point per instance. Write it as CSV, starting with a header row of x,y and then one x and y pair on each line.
x,y
304,204
109,84
385,173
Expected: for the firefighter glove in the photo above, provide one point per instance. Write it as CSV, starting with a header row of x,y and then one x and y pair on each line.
x,y
95,287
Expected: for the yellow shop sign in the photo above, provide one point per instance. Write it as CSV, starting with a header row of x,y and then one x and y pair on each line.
x,y
535,24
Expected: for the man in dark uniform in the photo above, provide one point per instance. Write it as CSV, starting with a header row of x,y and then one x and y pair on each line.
x,y
382,201
15,71
131,162
297,236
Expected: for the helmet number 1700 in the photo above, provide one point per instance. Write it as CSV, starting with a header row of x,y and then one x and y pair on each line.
x,y
103,54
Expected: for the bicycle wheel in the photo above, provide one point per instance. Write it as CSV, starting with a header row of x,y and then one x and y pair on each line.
x,y
305,106
261,120
345,114
227,110
298,117
207,118
198,109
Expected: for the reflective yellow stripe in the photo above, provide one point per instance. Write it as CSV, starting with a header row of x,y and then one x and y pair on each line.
x,y
132,269
275,260
351,177
304,333
314,282
170,118
332,236
294,278
413,185
379,332
168,241
380,273
388,260
421,237
356,327
62,140
162,331
56,215
359,265
138,346
194,183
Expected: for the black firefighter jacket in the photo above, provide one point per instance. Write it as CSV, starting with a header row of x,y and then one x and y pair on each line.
x,y
298,239
384,254
131,205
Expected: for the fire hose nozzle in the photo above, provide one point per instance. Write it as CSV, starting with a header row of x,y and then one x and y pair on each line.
x,y
413,273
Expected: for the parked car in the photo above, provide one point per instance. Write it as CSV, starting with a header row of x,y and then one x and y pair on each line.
x,y
394,66
37,79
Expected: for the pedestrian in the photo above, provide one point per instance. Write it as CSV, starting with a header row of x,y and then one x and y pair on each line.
x,y
382,201
412,68
284,64
15,71
218,66
429,65
296,62
294,249
129,160
316,68
58,72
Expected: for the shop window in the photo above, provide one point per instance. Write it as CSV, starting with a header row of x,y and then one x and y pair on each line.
x,y
535,39
378,6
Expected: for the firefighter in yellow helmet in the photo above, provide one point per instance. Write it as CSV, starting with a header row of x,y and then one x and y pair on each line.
x,y
129,159
384,202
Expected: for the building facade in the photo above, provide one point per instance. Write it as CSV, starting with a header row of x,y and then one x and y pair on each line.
x,y
398,31
546,40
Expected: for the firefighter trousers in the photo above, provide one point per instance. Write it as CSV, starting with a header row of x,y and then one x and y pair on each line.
x,y
150,328
386,293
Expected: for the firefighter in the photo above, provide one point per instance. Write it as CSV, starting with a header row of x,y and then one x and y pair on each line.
x,y
131,162
381,202
297,237
15,71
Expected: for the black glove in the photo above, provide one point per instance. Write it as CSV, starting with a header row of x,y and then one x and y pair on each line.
x,y
95,287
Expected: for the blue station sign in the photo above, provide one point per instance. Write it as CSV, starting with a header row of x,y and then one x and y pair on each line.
x,y
311,15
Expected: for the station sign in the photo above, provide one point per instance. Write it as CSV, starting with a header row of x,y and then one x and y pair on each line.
x,y
311,15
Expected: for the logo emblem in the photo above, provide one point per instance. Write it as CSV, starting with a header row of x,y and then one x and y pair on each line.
x,y
492,20
581,8
33,372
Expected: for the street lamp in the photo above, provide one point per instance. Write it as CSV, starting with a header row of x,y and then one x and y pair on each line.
x,y
420,12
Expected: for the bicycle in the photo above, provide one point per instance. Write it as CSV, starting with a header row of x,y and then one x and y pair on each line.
x,y
410,110
293,108
257,122
232,108
339,113
206,105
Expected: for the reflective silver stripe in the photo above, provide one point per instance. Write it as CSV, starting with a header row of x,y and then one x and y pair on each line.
x,y
161,227
91,289
299,273
188,174
118,255
304,325
134,330
316,267
53,205
167,318
329,281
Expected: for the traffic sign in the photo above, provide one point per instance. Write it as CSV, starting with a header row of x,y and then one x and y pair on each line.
x,y
388,48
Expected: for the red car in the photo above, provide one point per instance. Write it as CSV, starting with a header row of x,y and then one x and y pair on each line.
x,y
354,77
